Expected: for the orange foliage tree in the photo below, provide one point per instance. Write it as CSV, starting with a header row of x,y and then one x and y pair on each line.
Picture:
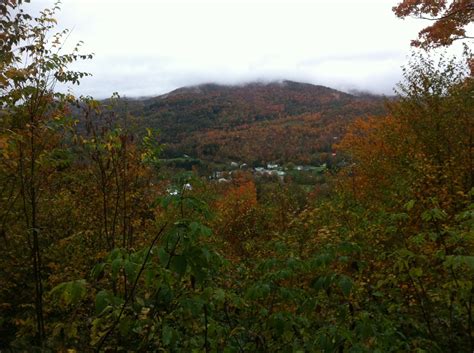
x,y
376,158
236,213
450,19
424,146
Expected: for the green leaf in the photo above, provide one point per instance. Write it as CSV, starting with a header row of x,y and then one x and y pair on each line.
x,y
115,253
58,289
115,266
418,239
77,291
149,276
200,229
130,269
97,270
70,292
433,215
163,256
179,264
322,282
468,260
124,326
345,283
460,260
219,295
409,205
101,301
167,335
416,272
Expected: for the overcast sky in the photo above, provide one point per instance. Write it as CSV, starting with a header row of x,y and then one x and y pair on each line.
x,y
151,47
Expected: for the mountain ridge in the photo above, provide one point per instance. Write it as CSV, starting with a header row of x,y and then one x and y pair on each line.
x,y
207,87
222,122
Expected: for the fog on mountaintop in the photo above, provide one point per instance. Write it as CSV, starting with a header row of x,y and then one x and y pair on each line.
x,y
146,48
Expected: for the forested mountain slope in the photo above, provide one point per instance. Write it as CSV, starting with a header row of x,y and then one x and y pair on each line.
x,y
287,121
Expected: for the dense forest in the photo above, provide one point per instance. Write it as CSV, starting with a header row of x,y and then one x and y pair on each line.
x,y
336,223
257,122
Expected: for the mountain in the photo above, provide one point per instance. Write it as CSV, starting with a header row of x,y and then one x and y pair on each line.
x,y
279,121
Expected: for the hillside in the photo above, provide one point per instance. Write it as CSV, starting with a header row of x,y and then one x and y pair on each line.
x,y
285,121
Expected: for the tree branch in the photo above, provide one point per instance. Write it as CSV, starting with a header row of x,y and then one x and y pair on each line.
x,y
116,322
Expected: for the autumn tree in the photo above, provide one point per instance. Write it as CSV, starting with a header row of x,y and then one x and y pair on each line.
x,y
429,129
411,180
33,117
450,19
236,220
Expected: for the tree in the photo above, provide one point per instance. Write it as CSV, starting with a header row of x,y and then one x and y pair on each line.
x,y
450,20
32,116
426,140
411,181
